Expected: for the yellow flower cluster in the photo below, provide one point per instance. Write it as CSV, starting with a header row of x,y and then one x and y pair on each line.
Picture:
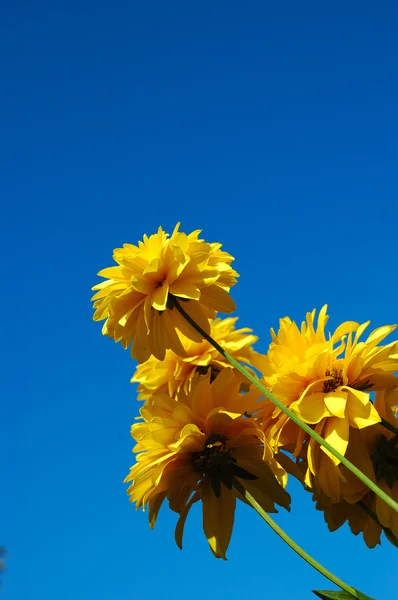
x,y
204,432
137,299
197,435
375,451
176,372
329,383
192,449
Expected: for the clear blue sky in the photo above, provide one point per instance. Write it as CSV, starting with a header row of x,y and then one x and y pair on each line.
x,y
270,125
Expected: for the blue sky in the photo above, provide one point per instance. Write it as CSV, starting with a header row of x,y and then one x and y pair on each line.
x,y
272,126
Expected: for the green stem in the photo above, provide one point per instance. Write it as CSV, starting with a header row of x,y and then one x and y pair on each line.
x,y
389,426
368,482
393,538
291,543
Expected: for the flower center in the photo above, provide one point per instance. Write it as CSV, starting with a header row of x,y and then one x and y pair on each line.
x,y
204,369
214,454
385,460
216,463
332,384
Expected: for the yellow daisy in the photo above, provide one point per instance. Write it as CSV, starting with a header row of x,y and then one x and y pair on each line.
x,y
326,382
342,497
176,372
137,299
191,450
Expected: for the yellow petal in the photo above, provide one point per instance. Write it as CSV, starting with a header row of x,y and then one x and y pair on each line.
x,y
154,505
157,336
183,517
185,289
378,335
159,296
183,414
218,299
385,514
116,273
290,466
311,408
173,340
336,403
360,331
218,519
322,320
191,440
266,489
193,309
360,410
328,479
313,452
140,352
308,479
343,329
218,420
222,383
352,488
109,288
336,433
371,534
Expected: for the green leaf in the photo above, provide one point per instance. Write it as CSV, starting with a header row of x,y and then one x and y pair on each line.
x,y
341,595
325,595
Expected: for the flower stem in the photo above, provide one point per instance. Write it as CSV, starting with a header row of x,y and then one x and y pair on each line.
x,y
361,476
291,543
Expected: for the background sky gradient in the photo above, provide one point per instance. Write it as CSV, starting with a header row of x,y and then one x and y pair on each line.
x,y
272,126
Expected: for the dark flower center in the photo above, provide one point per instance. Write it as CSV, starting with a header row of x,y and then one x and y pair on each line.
x,y
385,460
216,462
214,454
332,384
204,369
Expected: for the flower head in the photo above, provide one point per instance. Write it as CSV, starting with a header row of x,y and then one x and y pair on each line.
x,y
326,382
176,372
191,450
342,497
137,299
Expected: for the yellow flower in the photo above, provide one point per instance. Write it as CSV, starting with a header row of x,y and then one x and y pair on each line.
x,y
137,300
326,382
190,450
341,495
176,372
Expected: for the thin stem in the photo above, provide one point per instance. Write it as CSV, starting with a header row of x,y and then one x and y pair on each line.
x,y
291,543
393,538
361,476
389,426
